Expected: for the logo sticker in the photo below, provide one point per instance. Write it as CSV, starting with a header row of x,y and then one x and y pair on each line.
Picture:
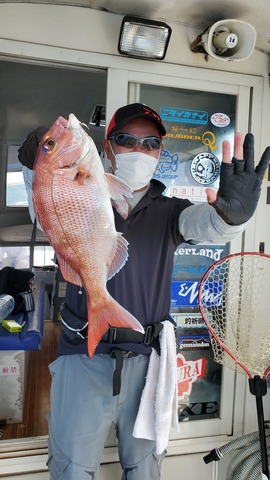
x,y
193,342
185,293
209,140
183,115
220,119
168,162
191,192
188,371
205,168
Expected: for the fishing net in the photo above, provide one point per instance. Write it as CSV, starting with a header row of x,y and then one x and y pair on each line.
x,y
234,300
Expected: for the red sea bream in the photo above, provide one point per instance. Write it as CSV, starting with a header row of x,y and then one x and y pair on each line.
x,y
72,200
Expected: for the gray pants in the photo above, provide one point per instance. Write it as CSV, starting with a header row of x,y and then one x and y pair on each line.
x,y
83,410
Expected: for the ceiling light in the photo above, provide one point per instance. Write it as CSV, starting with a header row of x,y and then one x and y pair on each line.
x,y
143,38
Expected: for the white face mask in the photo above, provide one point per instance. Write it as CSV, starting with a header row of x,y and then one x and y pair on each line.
x,y
135,168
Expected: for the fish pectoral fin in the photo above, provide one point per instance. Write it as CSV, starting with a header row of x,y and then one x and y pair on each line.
x,y
120,256
117,187
68,273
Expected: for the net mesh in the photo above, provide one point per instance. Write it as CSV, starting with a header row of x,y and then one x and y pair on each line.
x,y
234,299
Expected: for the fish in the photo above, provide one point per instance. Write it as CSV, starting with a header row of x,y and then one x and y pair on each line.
x,y
72,202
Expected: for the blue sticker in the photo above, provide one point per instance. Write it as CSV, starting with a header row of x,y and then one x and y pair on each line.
x,y
192,261
170,114
167,162
185,294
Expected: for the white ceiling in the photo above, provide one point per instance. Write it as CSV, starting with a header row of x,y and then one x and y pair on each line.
x,y
198,14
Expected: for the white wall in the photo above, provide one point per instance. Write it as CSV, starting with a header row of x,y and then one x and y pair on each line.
x,y
174,467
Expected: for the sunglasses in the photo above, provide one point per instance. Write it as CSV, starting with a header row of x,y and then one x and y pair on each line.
x,y
129,141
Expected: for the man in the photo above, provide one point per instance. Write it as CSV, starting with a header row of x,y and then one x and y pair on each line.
x,y
89,395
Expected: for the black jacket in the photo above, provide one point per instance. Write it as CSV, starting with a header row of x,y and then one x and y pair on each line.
x,y
142,286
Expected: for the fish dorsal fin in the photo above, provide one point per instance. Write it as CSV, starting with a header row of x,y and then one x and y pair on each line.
x,y
68,273
117,187
120,257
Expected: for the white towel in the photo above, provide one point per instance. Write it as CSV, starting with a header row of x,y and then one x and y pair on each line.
x,y
157,413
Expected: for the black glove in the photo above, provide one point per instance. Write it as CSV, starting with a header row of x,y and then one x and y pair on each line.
x,y
240,185
27,151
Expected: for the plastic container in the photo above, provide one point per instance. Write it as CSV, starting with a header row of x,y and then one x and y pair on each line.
x,y
7,303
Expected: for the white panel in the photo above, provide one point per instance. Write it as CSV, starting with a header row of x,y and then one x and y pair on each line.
x,y
174,467
12,380
117,91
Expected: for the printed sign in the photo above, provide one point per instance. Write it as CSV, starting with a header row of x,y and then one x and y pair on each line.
x,y
185,293
190,319
192,261
198,410
193,342
191,193
9,370
188,371
171,114
211,252
199,384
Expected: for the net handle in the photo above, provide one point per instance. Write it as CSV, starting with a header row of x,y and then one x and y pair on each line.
x,y
258,388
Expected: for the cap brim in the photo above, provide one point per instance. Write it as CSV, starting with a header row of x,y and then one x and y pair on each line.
x,y
158,124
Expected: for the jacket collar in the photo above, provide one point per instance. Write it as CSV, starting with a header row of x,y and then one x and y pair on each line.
x,y
155,190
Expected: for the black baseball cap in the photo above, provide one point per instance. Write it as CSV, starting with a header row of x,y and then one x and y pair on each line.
x,y
27,151
132,111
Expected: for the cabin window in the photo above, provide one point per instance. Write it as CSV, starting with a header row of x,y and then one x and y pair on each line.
x,y
35,95
44,256
19,257
32,95
16,195
16,257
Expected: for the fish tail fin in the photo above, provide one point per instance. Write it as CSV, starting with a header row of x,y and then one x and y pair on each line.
x,y
107,314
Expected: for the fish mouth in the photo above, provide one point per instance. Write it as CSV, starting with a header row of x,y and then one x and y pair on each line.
x,y
63,122
71,123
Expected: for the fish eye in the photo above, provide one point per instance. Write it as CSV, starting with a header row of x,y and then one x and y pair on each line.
x,y
49,143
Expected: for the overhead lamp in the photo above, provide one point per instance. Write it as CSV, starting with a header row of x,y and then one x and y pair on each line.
x,y
230,40
144,38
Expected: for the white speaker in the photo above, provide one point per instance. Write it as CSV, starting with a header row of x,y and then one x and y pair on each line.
x,y
230,40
